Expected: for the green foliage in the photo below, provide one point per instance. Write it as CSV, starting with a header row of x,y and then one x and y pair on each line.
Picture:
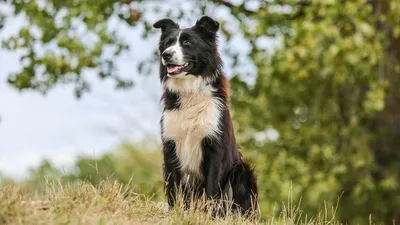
x,y
2,18
72,37
325,91
138,167
64,40
45,173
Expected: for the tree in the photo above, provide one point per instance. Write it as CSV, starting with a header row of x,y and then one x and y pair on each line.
x,y
64,39
332,92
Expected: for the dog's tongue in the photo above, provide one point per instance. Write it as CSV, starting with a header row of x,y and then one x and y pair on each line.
x,y
172,69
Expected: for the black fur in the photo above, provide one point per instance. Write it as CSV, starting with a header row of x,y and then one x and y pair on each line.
x,y
203,49
172,175
222,165
171,100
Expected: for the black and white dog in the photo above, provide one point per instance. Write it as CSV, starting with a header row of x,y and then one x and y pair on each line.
x,y
199,146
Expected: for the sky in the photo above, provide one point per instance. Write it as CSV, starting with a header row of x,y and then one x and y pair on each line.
x,y
59,127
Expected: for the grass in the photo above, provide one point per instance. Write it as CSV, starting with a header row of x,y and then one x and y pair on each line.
x,y
111,203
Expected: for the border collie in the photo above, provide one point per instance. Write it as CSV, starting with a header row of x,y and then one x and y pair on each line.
x,y
199,147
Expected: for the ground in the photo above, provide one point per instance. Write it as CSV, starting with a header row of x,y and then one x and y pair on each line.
x,y
109,203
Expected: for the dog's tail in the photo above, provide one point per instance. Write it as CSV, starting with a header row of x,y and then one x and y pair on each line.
x,y
241,189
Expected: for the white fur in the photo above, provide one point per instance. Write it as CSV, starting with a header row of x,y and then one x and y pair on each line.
x,y
197,117
187,83
177,51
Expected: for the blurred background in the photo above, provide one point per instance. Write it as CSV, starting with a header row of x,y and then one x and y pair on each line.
x,y
315,97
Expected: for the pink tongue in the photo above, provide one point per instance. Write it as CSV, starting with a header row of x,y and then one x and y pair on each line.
x,y
172,69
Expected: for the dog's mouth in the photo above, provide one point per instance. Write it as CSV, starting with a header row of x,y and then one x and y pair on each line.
x,y
177,69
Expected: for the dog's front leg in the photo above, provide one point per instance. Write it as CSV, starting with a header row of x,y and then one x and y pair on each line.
x,y
212,163
172,175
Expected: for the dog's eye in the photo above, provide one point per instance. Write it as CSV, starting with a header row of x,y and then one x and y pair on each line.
x,y
169,42
186,43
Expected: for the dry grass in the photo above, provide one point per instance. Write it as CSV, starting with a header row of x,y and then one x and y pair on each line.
x,y
111,203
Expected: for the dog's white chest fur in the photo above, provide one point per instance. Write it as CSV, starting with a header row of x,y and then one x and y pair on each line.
x,y
197,117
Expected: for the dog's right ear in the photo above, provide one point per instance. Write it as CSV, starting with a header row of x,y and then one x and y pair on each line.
x,y
165,24
207,24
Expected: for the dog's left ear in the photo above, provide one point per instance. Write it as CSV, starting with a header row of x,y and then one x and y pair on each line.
x,y
166,24
207,24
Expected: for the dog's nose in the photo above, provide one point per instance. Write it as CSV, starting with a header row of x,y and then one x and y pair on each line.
x,y
167,55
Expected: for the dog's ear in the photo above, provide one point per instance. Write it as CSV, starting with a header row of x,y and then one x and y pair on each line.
x,y
165,24
207,24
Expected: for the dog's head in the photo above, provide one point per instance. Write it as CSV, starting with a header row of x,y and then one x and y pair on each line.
x,y
190,51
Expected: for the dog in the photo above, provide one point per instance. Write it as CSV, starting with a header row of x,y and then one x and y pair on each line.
x,y
199,146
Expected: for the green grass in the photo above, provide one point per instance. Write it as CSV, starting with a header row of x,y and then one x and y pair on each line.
x,y
111,203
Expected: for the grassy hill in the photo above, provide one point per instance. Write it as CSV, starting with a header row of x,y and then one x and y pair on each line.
x,y
111,203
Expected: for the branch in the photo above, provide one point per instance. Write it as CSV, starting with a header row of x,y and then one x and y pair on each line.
x,y
233,7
